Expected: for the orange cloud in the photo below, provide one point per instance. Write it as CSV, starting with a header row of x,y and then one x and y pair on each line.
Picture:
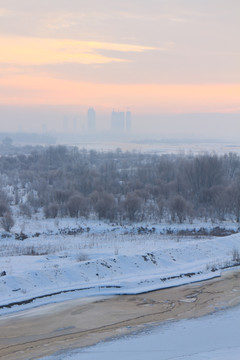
x,y
37,51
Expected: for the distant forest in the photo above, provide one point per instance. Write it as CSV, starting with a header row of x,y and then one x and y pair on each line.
x,y
118,186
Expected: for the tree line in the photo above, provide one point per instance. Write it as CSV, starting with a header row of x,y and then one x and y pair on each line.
x,y
119,186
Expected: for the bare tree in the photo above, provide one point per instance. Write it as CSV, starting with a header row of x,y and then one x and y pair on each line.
x,y
51,210
104,204
25,210
178,208
234,193
4,206
78,205
7,221
132,205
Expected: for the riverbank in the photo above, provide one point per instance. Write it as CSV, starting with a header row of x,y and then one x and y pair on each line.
x,y
78,323
55,268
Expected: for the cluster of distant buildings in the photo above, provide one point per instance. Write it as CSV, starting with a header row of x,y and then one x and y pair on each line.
x,y
120,121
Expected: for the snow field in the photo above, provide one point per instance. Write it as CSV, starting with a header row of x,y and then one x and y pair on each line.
x,y
106,260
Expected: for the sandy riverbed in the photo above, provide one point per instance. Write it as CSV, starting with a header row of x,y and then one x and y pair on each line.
x,y
47,329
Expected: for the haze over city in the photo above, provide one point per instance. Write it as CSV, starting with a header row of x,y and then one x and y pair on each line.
x,y
174,64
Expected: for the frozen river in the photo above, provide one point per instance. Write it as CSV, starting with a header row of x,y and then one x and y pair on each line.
x,y
212,337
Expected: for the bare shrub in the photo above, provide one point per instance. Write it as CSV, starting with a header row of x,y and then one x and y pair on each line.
x,y
235,255
32,251
82,257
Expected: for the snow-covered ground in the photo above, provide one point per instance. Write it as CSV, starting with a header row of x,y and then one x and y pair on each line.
x,y
102,259
213,337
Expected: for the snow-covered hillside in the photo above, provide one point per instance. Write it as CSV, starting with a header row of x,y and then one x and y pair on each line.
x,y
54,264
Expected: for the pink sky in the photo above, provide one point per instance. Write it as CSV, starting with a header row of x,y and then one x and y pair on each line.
x,y
155,57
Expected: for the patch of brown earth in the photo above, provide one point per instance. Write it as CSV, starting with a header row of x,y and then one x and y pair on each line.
x,y
73,324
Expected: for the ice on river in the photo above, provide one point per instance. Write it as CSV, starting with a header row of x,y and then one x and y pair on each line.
x,y
212,337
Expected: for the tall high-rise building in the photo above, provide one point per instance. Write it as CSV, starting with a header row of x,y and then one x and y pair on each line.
x,y
128,121
91,122
65,124
117,121
44,128
74,125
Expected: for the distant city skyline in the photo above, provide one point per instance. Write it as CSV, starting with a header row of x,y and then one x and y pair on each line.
x,y
120,121
49,120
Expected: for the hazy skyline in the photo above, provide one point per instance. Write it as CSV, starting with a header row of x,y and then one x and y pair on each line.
x,y
155,57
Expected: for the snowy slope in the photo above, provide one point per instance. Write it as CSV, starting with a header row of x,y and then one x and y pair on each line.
x,y
55,266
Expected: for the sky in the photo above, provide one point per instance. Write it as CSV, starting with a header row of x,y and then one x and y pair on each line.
x,y
155,57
